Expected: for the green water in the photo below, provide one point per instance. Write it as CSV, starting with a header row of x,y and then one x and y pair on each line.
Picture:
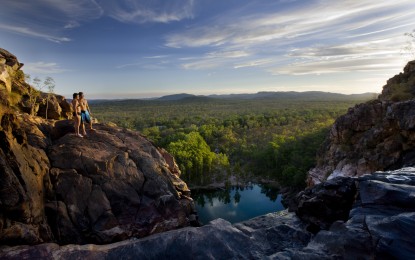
x,y
236,204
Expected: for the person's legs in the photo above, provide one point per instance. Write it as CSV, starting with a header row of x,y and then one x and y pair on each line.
x,y
82,124
78,123
83,129
88,120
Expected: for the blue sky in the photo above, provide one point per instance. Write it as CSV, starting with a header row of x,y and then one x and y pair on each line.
x,y
147,48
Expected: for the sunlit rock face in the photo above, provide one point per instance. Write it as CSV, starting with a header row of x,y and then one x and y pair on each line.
x,y
9,65
377,135
111,185
15,92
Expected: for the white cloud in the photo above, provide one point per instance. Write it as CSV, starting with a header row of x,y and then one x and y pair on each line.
x,y
228,54
253,63
327,66
203,64
72,24
78,10
214,59
323,20
349,32
157,57
43,68
46,19
30,32
152,63
143,11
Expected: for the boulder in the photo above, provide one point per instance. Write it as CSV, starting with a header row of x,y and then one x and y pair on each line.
x,y
326,203
109,186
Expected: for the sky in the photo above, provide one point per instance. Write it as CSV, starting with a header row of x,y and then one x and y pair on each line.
x,y
150,48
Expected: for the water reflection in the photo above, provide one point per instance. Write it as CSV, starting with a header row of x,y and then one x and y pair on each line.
x,y
236,204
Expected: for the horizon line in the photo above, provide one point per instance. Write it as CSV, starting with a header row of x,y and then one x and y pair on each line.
x,y
148,96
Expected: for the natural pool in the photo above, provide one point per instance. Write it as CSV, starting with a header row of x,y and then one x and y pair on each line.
x,y
236,204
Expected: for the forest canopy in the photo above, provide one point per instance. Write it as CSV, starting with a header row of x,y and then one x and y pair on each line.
x,y
270,138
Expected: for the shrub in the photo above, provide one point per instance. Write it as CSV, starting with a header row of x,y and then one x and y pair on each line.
x,y
14,98
20,76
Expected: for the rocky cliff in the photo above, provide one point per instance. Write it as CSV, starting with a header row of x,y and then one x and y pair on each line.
x,y
61,196
17,95
55,187
377,135
380,225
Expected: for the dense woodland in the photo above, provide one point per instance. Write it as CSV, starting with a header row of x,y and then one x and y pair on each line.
x,y
212,139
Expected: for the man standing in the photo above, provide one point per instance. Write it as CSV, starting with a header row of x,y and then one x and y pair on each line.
x,y
85,113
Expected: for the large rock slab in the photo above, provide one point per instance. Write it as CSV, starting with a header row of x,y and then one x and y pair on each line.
x,y
254,239
380,225
109,186
116,185
374,229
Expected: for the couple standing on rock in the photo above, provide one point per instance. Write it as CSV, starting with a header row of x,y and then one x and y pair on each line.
x,y
81,113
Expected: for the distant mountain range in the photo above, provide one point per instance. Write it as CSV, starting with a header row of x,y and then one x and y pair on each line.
x,y
281,95
308,95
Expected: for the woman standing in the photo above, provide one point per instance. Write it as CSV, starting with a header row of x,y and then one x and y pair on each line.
x,y
76,113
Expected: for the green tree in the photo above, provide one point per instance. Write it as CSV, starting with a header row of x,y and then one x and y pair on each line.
x,y
33,92
195,158
49,83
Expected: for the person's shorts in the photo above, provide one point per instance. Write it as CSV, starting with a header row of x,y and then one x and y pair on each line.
x,y
85,117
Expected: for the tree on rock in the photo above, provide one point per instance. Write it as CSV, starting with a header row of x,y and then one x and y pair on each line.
x,y
49,83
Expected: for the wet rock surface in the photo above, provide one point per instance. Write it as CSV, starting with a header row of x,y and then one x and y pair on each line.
x,y
380,225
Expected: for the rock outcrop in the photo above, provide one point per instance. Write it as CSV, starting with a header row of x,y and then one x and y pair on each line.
x,y
55,187
16,93
377,135
380,225
9,66
109,186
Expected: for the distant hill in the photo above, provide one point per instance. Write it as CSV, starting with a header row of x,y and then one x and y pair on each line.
x,y
278,95
308,95
175,97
